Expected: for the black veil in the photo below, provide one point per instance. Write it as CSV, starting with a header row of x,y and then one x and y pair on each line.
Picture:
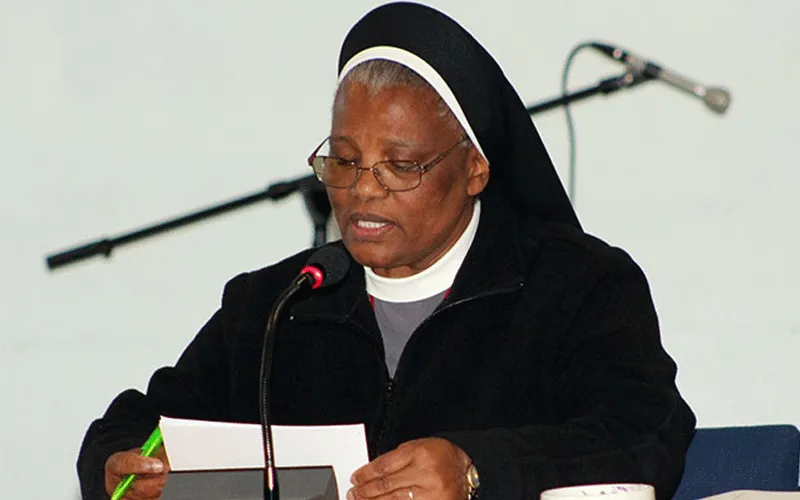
x,y
460,69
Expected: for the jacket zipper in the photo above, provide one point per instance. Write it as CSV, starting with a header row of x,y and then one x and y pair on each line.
x,y
387,404
392,383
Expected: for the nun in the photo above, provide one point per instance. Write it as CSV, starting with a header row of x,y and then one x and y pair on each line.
x,y
490,346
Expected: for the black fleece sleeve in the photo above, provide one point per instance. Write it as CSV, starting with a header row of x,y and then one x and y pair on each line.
x,y
622,417
196,387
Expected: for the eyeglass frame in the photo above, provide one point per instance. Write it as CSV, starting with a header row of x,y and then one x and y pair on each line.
x,y
422,169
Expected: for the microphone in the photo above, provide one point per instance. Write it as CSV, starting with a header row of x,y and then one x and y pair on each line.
x,y
327,266
716,98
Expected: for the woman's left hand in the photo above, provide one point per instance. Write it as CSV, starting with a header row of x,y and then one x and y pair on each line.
x,y
416,470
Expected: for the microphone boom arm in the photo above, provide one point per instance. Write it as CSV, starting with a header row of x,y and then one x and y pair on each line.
x,y
105,246
607,86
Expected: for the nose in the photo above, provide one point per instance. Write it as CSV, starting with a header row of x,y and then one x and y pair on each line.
x,y
367,185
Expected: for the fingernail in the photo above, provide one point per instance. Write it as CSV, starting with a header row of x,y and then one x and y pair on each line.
x,y
353,480
156,466
351,495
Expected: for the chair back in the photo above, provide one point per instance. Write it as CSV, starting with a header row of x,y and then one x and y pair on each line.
x,y
724,459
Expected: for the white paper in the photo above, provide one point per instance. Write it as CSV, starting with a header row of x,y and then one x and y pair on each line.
x,y
194,445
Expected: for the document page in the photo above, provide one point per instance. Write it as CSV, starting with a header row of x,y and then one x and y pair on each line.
x,y
196,445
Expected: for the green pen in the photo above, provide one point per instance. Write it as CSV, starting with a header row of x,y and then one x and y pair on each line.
x,y
149,447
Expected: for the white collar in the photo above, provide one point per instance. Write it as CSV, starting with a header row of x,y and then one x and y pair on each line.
x,y
431,281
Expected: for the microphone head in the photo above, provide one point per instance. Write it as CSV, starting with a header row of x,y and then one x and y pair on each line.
x,y
327,266
717,99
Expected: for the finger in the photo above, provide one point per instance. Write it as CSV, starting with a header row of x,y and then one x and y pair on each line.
x,y
128,462
147,488
121,464
161,454
383,465
112,481
409,478
410,493
142,485
413,442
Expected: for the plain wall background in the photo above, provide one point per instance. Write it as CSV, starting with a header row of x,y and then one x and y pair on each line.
x,y
114,115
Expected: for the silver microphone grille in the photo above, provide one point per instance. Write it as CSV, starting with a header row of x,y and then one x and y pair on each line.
x,y
717,99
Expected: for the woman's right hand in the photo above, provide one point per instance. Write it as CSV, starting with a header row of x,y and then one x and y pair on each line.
x,y
151,473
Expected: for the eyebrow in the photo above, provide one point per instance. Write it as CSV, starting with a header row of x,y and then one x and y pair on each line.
x,y
341,138
398,143
402,144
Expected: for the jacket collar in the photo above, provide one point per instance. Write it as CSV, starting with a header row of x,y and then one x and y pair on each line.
x,y
493,263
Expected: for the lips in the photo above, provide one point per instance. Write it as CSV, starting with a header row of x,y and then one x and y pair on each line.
x,y
367,226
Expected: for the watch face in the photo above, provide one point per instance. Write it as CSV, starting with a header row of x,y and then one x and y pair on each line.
x,y
472,477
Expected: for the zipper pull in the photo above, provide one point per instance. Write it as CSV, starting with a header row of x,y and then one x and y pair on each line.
x,y
389,389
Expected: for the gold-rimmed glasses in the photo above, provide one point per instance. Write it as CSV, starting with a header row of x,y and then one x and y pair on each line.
x,y
393,175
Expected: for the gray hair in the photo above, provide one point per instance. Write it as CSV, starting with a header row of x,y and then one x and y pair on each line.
x,y
379,74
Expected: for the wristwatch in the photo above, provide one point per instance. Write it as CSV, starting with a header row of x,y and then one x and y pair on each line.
x,y
473,482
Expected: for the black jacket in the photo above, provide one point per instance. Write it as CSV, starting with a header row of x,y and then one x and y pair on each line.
x,y
544,364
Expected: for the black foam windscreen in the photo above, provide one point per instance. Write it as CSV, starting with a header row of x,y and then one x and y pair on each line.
x,y
333,261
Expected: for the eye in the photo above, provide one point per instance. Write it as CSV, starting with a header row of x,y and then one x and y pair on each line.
x,y
343,156
403,167
343,162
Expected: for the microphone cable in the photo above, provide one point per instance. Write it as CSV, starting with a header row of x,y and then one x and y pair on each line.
x,y
570,124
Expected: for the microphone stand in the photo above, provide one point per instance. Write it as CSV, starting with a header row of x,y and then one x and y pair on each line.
x,y
314,196
319,208
606,87
308,185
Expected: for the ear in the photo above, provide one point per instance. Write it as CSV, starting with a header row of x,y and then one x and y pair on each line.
x,y
477,172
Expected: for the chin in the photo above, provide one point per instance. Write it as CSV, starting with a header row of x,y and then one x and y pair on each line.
x,y
371,254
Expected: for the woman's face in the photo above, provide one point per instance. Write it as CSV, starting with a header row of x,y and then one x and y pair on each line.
x,y
399,234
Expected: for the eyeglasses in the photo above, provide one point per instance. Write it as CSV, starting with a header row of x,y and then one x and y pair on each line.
x,y
393,175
